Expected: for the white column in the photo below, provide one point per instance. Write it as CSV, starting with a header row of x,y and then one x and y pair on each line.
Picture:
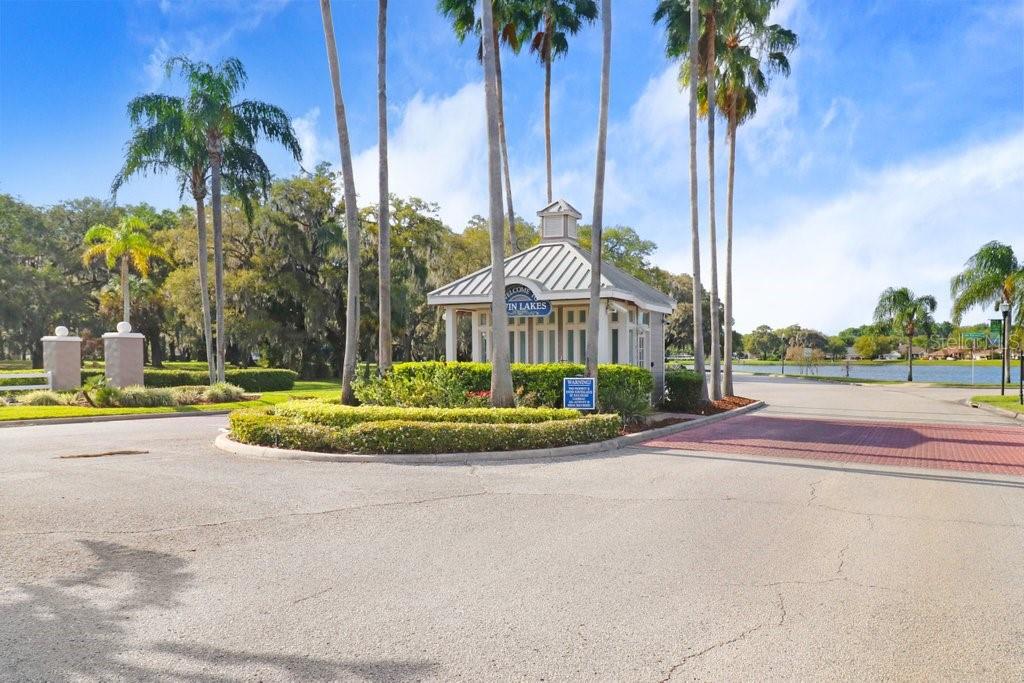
x,y
450,334
475,345
604,338
123,356
62,358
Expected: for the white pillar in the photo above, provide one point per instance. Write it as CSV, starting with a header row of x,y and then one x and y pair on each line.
x,y
604,335
123,356
450,334
62,358
475,345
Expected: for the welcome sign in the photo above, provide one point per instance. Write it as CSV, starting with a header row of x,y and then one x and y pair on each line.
x,y
520,301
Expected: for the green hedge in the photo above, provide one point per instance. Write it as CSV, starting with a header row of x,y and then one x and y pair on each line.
x,y
398,436
259,428
250,379
342,417
683,391
262,428
622,389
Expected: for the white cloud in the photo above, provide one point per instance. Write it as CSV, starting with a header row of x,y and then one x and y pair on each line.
x,y
313,146
437,151
824,264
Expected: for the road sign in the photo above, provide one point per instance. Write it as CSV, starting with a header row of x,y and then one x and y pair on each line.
x,y
995,326
977,336
579,393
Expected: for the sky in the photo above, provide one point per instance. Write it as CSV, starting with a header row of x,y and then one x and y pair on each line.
x,y
891,153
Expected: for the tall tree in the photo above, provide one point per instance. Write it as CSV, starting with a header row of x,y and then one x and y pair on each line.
x,y
164,139
384,204
501,371
682,41
211,109
991,277
348,371
709,70
127,243
751,51
509,18
901,309
556,20
597,236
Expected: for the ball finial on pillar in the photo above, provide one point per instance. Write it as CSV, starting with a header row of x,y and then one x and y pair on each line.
x,y
124,327
60,331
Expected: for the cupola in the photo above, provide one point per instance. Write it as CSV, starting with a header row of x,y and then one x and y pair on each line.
x,y
558,221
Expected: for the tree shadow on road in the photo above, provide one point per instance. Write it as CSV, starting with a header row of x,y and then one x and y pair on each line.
x,y
80,627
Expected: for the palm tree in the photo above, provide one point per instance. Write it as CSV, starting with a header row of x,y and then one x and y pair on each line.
x,y
752,51
384,204
900,308
211,110
348,371
509,18
164,139
128,243
593,329
501,371
681,34
991,277
555,21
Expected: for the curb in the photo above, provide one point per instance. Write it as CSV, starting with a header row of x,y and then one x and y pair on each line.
x,y
994,410
225,443
107,418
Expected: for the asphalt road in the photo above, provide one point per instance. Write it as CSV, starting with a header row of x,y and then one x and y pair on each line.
x,y
181,562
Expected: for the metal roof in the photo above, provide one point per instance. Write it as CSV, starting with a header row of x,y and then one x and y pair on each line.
x,y
554,269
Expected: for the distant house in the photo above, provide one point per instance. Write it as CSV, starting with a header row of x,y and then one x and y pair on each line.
x,y
851,354
917,351
892,355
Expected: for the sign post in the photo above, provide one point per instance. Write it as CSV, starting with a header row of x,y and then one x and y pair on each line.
x,y
579,393
973,337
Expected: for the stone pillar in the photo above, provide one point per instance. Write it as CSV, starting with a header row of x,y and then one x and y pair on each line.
x,y
123,356
451,337
62,358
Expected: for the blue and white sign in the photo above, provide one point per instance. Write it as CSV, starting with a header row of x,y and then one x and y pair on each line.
x,y
520,302
579,393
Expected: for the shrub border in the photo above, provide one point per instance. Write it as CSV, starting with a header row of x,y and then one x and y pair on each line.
x,y
225,443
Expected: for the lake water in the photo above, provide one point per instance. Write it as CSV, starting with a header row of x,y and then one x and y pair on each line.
x,y
959,374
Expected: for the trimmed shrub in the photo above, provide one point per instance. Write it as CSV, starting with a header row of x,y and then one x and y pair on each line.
x,y
222,392
438,386
683,391
400,436
342,417
189,396
43,397
249,379
144,397
259,428
622,389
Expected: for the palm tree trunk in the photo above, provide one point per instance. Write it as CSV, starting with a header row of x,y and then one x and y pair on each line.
x,y
728,389
512,242
218,252
348,370
124,288
547,98
593,318
910,358
204,287
384,207
716,340
501,372
698,315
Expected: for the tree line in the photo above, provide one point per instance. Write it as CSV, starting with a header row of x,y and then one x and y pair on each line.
x,y
285,276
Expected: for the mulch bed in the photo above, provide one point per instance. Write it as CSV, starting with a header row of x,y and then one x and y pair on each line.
x,y
724,404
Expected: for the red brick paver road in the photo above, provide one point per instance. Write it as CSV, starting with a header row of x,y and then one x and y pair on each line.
x,y
971,448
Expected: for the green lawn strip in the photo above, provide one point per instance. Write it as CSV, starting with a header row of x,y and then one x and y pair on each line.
x,y
301,390
1009,402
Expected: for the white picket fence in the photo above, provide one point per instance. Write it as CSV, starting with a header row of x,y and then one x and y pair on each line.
x,y
44,374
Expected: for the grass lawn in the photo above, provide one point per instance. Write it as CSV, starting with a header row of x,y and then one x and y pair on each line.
x,y
1008,402
301,390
